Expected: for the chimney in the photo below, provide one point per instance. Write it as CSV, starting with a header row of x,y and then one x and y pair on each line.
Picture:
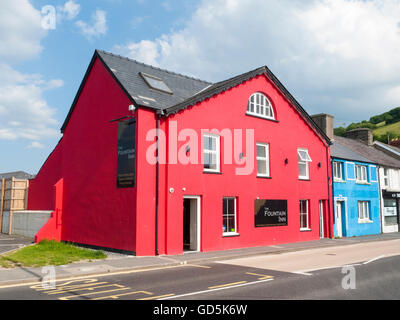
x,y
325,122
364,135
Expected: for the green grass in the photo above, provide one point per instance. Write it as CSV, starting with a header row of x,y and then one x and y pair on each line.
x,y
395,128
48,253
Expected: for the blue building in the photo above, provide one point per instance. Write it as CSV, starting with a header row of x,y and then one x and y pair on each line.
x,y
356,196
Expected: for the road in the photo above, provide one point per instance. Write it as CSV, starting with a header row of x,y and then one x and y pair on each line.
x,y
310,274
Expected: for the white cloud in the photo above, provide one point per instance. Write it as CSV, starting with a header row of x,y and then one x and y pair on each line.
x,y
98,26
35,145
20,30
25,113
335,56
69,11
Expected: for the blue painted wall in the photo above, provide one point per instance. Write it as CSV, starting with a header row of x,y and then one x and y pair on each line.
x,y
351,192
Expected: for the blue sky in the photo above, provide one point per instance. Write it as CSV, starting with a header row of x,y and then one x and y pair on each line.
x,y
335,56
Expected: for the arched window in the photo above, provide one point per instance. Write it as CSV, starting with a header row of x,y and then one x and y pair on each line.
x,y
260,106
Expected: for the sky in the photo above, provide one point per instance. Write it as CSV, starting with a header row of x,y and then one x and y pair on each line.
x,y
340,57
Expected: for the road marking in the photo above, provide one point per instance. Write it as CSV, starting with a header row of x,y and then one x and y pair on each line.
x,y
375,259
197,266
302,273
262,276
81,289
94,293
218,289
116,296
38,282
227,285
158,297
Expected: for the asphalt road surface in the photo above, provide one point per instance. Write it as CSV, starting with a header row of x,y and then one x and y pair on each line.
x,y
285,276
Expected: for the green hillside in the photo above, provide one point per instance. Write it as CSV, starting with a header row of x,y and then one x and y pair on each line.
x,y
385,126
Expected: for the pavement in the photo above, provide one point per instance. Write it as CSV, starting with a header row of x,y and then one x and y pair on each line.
x,y
119,263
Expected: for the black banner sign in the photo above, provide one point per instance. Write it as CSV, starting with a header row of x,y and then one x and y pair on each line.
x,y
391,195
126,154
270,213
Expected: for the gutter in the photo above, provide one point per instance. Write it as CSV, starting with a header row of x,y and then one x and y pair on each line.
x,y
159,114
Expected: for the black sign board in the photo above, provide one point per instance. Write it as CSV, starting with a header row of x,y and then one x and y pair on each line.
x,y
126,154
270,213
391,195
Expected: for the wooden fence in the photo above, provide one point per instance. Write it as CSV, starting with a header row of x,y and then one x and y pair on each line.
x,y
13,197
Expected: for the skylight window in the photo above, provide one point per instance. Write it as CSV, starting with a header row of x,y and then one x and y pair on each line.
x,y
156,83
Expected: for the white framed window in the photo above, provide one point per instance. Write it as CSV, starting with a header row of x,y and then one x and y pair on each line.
x,y
304,215
338,171
363,211
361,174
385,178
211,153
262,160
229,217
304,160
260,106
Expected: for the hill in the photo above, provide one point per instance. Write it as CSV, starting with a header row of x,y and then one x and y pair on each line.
x,y
386,126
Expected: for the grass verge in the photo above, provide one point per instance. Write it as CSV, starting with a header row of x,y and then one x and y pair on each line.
x,y
49,253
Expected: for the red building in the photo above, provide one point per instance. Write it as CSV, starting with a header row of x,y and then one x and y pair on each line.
x,y
261,177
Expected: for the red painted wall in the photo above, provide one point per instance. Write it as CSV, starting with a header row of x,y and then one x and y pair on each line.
x,y
227,110
96,213
41,194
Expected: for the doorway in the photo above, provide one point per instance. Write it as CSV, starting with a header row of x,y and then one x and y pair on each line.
x,y
339,210
321,219
191,224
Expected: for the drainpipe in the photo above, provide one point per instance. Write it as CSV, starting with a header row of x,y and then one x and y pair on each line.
x,y
328,159
157,177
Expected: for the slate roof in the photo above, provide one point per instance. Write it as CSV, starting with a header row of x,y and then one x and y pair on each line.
x,y
17,174
374,155
187,91
340,151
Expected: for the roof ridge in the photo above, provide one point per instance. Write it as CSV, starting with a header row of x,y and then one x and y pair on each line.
x,y
153,67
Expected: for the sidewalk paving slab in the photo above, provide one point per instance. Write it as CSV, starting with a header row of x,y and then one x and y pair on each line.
x,y
128,263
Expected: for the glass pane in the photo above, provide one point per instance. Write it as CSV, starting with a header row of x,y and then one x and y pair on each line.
x,y
224,224
391,221
303,221
261,151
207,160
261,167
304,156
303,169
224,206
231,206
231,224
157,84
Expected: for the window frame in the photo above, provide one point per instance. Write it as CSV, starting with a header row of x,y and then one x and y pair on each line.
x,y
217,153
228,215
341,166
364,215
261,106
265,158
307,214
303,162
364,169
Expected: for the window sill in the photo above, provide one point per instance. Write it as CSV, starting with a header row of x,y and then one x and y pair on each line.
x,y
230,235
305,229
262,177
362,182
304,179
365,221
261,117
339,180
212,172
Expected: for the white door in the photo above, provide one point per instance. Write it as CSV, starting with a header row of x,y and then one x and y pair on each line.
x,y
321,219
338,212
